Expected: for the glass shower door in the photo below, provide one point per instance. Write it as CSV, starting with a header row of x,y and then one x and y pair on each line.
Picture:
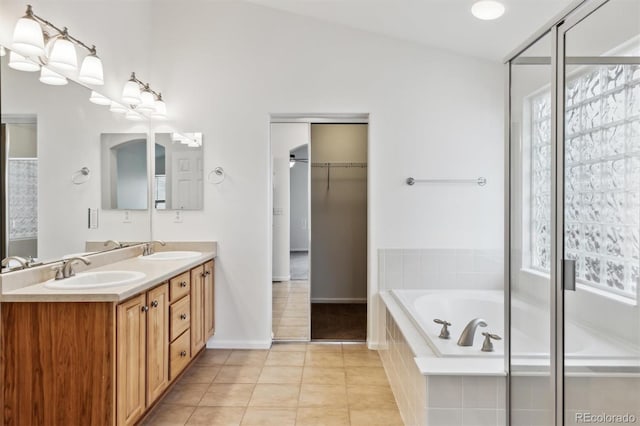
x,y
598,250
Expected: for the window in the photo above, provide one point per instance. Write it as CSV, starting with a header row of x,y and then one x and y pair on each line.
x,y
602,177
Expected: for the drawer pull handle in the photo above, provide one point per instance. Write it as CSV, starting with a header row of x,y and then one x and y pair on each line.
x,y
183,316
145,309
203,275
183,354
154,303
183,283
207,272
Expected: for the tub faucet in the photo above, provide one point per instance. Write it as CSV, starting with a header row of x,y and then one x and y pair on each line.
x,y
469,332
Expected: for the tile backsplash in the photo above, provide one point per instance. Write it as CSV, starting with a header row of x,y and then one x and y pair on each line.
x,y
440,269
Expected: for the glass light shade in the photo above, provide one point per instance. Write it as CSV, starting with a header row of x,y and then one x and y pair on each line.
x,y
63,55
52,78
117,108
28,38
131,93
20,63
147,104
487,10
160,111
3,51
91,70
99,99
133,116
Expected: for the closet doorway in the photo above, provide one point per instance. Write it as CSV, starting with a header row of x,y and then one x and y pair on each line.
x,y
319,233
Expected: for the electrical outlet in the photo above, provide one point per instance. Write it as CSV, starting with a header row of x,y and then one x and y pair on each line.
x,y
127,217
178,217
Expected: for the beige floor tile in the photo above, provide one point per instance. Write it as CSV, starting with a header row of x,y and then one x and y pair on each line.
x,y
372,376
247,357
187,394
377,417
323,376
255,416
371,397
288,359
323,359
354,347
322,396
238,374
275,396
227,395
362,359
325,347
170,415
292,333
213,356
322,417
277,375
216,416
199,373
289,347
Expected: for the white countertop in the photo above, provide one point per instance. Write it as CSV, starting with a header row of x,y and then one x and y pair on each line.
x,y
155,271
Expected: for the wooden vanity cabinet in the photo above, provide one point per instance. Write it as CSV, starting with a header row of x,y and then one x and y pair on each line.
x,y
209,301
157,344
202,305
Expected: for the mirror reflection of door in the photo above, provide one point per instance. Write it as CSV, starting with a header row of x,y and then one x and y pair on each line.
x,y
179,171
124,171
19,184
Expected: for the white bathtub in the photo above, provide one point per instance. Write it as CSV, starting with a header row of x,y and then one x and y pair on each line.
x,y
529,332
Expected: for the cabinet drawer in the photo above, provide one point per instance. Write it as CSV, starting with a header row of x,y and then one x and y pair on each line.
x,y
179,286
180,314
179,354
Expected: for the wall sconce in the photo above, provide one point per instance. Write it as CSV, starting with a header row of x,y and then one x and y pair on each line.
x,y
32,38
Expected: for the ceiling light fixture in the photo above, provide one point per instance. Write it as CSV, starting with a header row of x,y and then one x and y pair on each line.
x,y
29,36
139,94
487,10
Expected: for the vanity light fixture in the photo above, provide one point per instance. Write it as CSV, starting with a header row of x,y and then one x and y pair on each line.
x,y
133,116
487,10
3,51
20,63
98,99
52,78
118,108
29,36
146,100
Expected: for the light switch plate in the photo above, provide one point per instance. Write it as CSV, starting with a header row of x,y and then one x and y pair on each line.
x,y
93,218
127,217
177,218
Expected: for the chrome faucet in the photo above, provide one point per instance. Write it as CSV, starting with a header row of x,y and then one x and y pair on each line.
x,y
24,263
116,243
66,269
469,332
148,247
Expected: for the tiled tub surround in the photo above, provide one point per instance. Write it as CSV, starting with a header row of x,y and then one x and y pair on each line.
x,y
28,285
438,391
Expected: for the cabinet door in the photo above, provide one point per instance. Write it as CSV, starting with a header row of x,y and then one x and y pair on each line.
x,y
209,301
157,342
131,348
197,311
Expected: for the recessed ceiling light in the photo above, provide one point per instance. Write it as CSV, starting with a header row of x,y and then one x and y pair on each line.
x,y
487,9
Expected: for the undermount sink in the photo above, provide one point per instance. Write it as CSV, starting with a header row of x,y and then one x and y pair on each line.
x,y
172,255
96,279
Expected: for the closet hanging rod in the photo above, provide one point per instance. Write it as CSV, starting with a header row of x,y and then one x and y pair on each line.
x,y
339,165
481,181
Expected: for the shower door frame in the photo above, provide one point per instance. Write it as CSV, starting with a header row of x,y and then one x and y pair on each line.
x,y
557,28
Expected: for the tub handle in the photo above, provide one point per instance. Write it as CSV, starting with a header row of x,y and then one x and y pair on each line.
x,y
487,345
444,333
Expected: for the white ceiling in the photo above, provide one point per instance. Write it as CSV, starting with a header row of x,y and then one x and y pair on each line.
x,y
446,24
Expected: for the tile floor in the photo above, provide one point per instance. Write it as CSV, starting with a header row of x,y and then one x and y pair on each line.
x,y
291,311
291,384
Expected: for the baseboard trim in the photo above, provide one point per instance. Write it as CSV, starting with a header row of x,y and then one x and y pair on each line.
x,y
280,279
339,300
377,346
239,344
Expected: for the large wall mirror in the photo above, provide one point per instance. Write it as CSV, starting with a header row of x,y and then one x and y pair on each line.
x,y
178,177
51,170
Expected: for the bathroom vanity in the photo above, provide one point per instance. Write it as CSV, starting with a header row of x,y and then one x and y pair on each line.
x,y
102,355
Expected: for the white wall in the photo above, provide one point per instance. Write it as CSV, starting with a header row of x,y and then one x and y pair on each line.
x,y
299,208
431,114
284,137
